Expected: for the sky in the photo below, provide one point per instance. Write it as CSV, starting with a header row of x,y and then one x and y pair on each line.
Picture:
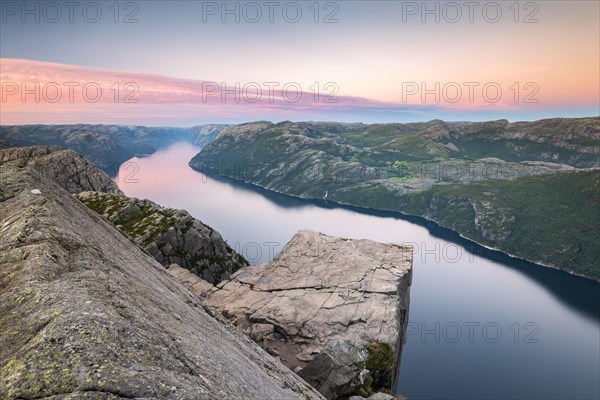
x,y
183,63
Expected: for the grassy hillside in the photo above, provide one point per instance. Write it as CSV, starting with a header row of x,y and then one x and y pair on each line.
x,y
550,219
525,188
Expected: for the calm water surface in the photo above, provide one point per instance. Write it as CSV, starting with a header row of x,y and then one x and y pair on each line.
x,y
482,326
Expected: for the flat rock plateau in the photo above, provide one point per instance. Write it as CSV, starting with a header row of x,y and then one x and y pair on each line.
x,y
320,288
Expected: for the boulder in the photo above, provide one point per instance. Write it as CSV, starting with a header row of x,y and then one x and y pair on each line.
x,y
376,396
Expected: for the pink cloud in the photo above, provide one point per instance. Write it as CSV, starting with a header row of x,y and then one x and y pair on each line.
x,y
43,92
59,83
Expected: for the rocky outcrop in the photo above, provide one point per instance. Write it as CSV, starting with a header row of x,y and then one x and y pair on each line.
x,y
170,236
321,289
338,370
65,167
86,314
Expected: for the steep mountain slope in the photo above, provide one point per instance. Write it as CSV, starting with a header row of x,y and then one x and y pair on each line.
x,y
494,182
550,219
86,314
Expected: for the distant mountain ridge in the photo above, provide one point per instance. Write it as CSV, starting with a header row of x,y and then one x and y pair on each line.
x,y
107,146
572,141
530,189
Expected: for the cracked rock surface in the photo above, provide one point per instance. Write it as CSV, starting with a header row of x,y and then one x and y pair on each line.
x,y
86,314
64,167
318,289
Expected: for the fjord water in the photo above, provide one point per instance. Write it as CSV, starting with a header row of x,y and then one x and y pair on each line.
x,y
481,326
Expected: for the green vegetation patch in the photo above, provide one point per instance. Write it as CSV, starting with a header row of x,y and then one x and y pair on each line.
x,y
144,221
382,357
380,362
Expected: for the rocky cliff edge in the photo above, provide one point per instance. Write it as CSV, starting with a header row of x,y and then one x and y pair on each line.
x,y
86,314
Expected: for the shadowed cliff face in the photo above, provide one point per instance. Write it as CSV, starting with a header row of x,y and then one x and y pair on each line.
x,y
86,314
170,236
